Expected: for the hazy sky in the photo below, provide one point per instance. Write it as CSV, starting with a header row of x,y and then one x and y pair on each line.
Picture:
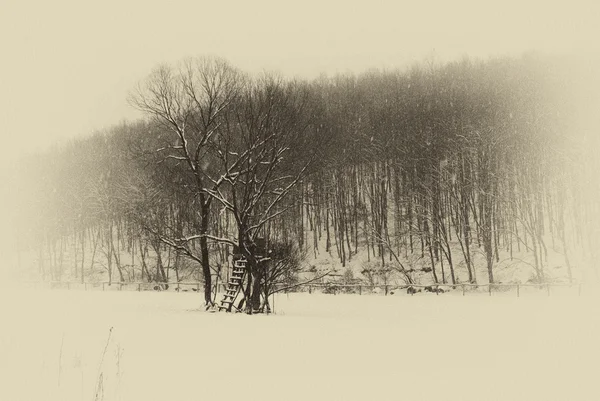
x,y
66,65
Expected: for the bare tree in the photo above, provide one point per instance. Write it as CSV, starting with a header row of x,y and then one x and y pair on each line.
x,y
188,102
265,147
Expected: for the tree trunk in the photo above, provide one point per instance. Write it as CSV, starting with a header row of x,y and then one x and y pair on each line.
x,y
204,256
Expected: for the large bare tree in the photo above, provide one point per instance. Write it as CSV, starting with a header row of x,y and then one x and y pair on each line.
x,y
188,101
265,146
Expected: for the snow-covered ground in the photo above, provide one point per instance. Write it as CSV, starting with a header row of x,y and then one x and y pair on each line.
x,y
317,347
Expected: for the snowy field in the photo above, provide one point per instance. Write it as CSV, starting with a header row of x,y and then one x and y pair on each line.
x,y
57,345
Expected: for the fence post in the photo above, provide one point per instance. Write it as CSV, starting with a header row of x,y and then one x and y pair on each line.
x,y
463,289
68,285
490,289
139,287
518,290
359,289
310,289
386,289
548,289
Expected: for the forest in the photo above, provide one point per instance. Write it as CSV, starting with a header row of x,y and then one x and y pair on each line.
x,y
438,173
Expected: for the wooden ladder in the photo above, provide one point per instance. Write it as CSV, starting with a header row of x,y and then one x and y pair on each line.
x,y
234,285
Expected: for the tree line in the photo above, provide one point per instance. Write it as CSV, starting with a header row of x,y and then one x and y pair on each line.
x,y
433,172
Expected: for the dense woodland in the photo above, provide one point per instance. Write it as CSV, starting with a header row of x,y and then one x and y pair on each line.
x,y
435,173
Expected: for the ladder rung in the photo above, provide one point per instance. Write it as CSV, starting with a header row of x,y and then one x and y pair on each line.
x,y
226,301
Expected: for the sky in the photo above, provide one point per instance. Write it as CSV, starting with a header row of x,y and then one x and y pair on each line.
x,y
66,66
